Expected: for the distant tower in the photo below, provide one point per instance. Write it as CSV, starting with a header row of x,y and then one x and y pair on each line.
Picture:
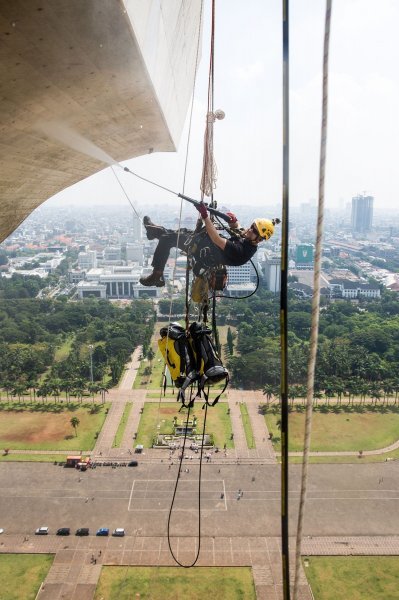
x,y
362,213
272,271
137,236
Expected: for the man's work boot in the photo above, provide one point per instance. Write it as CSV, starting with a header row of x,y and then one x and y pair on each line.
x,y
155,279
153,231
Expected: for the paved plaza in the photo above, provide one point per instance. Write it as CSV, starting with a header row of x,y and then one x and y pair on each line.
x,y
344,513
351,508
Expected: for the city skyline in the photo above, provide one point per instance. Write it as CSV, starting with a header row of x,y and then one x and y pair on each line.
x,y
363,94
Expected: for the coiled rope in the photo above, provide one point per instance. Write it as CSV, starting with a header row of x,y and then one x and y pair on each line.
x,y
315,301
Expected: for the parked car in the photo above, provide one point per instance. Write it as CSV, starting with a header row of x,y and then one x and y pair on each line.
x,y
41,531
103,531
82,531
118,532
132,463
63,531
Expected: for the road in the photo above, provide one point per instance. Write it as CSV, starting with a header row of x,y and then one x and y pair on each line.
x,y
343,500
351,509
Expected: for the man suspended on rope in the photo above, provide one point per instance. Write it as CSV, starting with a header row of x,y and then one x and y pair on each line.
x,y
235,251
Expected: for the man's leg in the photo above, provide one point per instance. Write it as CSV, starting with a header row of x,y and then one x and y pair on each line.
x,y
167,241
153,231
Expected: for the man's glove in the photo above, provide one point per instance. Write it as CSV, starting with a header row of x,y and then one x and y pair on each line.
x,y
232,218
201,207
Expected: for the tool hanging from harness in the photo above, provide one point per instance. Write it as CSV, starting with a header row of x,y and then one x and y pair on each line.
x,y
209,273
178,355
192,358
209,365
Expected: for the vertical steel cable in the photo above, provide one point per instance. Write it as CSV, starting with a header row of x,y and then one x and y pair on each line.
x,y
284,311
316,299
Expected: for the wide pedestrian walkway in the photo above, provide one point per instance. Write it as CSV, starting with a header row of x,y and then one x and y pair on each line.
x,y
74,574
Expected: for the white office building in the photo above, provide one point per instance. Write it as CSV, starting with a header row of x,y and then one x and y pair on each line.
x,y
91,289
112,253
87,260
115,283
242,274
75,275
272,272
344,288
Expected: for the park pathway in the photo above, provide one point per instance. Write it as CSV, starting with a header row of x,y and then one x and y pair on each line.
x,y
134,418
240,442
119,397
263,444
105,439
132,367
263,447
77,565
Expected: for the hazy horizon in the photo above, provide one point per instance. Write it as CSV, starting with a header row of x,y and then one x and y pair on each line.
x,y
363,125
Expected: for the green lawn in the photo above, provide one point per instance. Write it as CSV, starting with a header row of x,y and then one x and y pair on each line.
x,y
354,577
339,431
247,425
222,329
153,381
32,457
62,352
122,425
170,394
394,455
218,421
47,426
22,574
172,583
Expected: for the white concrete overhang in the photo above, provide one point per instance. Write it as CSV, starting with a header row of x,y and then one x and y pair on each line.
x,y
119,72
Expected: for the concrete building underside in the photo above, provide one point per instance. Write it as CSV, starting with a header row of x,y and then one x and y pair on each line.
x,y
120,73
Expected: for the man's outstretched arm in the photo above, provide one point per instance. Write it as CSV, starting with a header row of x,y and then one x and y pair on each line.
x,y
210,228
214,235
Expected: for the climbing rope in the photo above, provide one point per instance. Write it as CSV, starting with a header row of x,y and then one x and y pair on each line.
x,y
315,301
209,169
284,312
187,306
199,490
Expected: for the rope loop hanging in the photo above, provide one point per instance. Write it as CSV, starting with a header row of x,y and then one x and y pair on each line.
x,y
209,168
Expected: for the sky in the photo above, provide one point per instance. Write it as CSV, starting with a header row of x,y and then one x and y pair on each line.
x,y
363,123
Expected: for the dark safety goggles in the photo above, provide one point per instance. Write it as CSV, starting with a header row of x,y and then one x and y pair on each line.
x,y
255,231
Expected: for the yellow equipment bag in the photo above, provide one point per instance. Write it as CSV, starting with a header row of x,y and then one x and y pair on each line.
x,y
178,355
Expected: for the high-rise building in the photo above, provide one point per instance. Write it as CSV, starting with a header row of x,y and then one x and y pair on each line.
x,y
87,260
137,231
272,272
240,274
112,253
362,213
304,256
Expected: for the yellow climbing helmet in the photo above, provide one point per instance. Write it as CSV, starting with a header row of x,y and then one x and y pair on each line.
x,y
264,227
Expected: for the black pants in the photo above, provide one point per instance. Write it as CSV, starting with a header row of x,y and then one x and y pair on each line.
x,y
168,240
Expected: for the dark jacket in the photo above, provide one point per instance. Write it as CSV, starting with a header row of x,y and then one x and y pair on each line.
x,y
237,252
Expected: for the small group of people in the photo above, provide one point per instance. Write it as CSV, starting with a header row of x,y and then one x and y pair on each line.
x,y
235,251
